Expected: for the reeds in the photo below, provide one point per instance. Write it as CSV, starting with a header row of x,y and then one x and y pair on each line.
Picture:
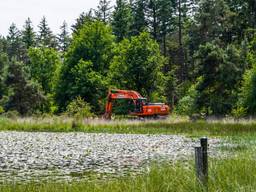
x,y
168,126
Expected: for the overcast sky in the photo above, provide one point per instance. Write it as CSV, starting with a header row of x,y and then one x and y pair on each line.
x,y
55,11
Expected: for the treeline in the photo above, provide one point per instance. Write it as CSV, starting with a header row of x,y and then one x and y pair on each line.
x,y
199,56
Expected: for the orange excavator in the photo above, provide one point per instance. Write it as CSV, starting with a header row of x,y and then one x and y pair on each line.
x,y
141,107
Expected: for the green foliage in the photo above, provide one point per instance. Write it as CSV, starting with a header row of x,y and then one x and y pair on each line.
x,y
139,16
79,108
12,114
168,90
137,65
15,46
103,10
1,110
187,104
86,65
3,44
214,20
63,38
219,70
23,96
44,67
88,83
93,43
45,37
251,58
122,20
28,34
82,20
248,91
245,14
160,19
212,39
239,112
3,67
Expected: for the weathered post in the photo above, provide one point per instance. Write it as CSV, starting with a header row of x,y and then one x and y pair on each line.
x,y
198,163
201,161
204,145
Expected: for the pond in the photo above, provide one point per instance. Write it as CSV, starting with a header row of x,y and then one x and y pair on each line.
x,y
26,156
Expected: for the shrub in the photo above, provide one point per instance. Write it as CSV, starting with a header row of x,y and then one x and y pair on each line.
x,y
12,114
239,112
186,105
248,91
1,110
79,108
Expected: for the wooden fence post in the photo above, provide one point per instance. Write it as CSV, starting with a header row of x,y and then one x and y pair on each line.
x,y
201,161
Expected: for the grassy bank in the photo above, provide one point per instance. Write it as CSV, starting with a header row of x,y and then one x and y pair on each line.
x,y
236,171
170,126
237,174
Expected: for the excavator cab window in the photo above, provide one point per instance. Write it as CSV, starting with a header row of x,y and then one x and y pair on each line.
x,y
139,105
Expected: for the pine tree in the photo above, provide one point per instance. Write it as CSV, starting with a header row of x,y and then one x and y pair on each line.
x,y
103,11
181,48
45,37
28,34
244,17
214,21
139,17
28,37
25,96
3,66
161,18
153,18
3,44
63,38
81,20
252,13
15,46
121,20
220,76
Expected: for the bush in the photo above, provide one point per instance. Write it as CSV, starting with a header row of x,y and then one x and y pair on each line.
x,y
248,91
79,108
1,110
12,114
239,112
248,87
186,105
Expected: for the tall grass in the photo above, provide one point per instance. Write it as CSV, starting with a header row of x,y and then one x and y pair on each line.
x,y
237,174
59,124
234,173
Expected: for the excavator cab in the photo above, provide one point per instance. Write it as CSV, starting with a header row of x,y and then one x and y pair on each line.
x,y
139,103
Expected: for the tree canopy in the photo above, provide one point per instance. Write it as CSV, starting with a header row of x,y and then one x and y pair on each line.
x,y
137,65
196,55
86,65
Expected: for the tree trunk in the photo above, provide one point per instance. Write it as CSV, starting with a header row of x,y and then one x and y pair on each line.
x,y
181,51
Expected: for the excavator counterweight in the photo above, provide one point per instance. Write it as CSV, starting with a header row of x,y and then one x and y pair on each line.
x,y
141,107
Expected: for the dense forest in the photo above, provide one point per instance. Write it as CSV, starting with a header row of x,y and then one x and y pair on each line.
x,y
199,56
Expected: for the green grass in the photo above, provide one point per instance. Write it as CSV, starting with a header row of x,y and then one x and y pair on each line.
x,y
236,174
235,171
131,127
